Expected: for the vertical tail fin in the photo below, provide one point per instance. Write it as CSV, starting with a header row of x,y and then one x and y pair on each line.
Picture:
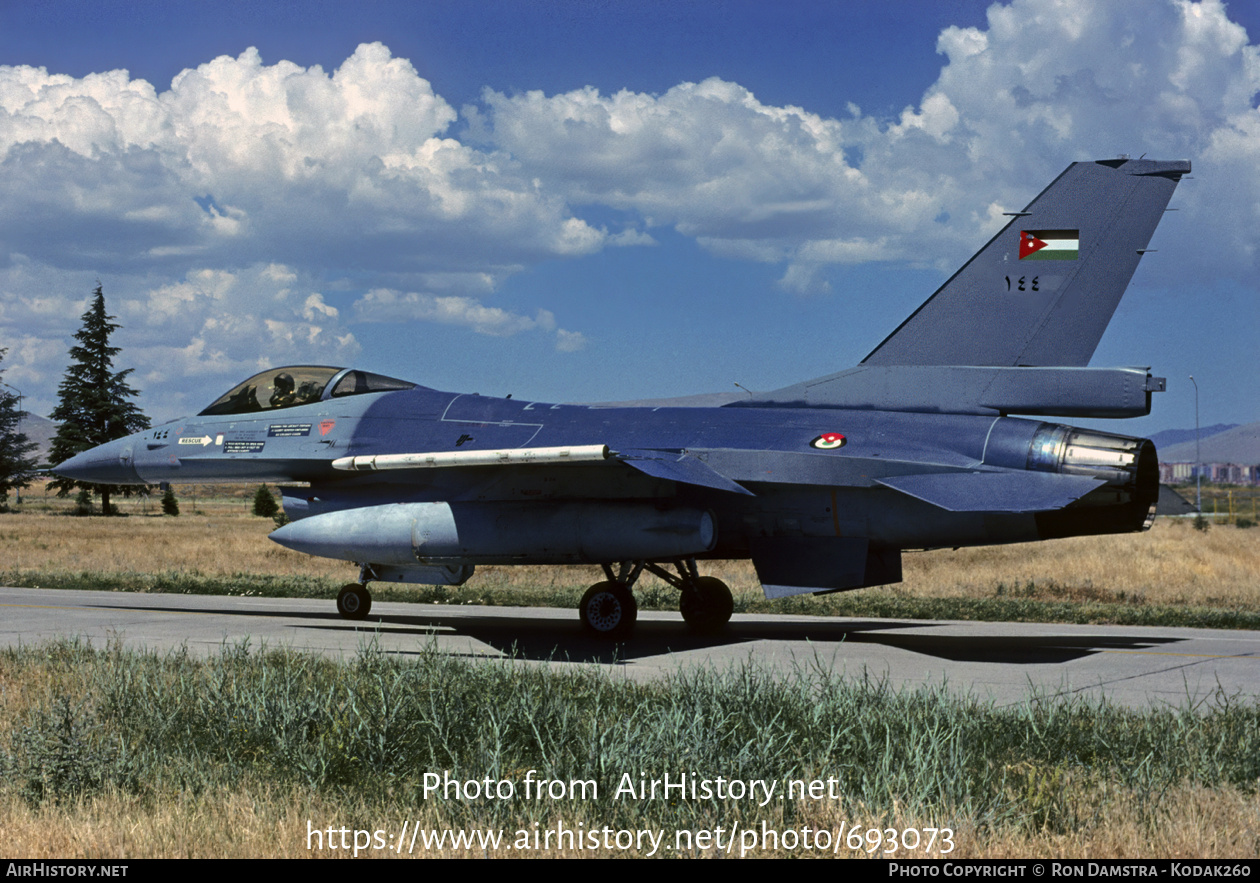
x,y
1042,291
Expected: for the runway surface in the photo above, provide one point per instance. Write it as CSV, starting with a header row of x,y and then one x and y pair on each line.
x,y
1007,663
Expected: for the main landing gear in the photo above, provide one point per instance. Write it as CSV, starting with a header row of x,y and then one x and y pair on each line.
x,y
608,608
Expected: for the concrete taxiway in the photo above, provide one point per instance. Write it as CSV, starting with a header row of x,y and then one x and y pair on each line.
x,y
1007,663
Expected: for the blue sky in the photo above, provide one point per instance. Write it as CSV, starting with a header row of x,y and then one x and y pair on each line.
x,y
597,201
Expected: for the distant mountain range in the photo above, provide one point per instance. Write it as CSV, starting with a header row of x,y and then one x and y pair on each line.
x,y
1170,437
41,431
1238,444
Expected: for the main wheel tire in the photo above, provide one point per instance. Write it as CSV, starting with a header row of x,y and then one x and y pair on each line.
x,y
706,605
354,601
608,610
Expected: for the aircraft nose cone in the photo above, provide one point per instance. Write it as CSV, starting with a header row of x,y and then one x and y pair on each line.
x,y
105,464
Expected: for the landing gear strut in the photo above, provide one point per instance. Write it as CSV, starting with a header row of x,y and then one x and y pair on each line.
x,y
608,608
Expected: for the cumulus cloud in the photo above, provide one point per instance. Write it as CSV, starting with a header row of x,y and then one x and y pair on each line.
x,y
630,238
569,341
25,366
385,305
256,213
1074,80
705,157
220,209
240,161
197,336
188,339
1044,84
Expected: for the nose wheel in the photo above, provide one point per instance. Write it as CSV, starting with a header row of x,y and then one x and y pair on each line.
x,y
354,601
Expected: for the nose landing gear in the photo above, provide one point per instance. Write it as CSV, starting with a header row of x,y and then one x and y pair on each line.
x,y
354,601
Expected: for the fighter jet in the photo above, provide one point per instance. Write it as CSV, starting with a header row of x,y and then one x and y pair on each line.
x,y
927,443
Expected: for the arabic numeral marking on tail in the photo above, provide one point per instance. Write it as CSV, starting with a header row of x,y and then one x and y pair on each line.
x,y
1024,283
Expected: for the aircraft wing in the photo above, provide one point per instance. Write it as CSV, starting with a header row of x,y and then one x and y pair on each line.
x,y
994,491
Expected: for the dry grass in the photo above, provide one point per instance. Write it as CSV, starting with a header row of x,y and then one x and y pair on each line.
x,y
222,825
1170,564
194,801
1190,823
208,545
219,538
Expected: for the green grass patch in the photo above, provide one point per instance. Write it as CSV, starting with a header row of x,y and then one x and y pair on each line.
x,y
366,732
174,583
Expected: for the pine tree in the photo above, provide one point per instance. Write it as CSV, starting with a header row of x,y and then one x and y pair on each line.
x,y
16,468
94,406
170,505
265,505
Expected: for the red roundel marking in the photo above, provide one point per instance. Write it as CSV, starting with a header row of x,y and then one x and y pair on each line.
x,y
828,441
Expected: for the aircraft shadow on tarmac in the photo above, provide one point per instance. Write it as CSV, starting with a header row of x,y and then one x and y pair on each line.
x,y
561,638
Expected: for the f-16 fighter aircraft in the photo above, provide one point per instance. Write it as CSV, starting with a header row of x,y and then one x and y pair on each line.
x,y
822,484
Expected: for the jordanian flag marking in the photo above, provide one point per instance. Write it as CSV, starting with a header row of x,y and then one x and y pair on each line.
x,y
1049,245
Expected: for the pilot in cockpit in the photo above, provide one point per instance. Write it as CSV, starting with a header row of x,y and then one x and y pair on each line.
x,y
284,394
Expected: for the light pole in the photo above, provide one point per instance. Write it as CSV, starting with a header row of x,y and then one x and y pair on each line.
x,y
1198,459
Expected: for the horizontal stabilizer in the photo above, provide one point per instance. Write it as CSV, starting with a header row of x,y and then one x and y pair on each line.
x,y
681,467
994,491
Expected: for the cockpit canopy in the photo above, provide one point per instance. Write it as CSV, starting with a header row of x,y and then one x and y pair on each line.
x,y
296,385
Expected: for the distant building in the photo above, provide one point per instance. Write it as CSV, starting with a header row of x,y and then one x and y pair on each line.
x,y
1217,473
1175,473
